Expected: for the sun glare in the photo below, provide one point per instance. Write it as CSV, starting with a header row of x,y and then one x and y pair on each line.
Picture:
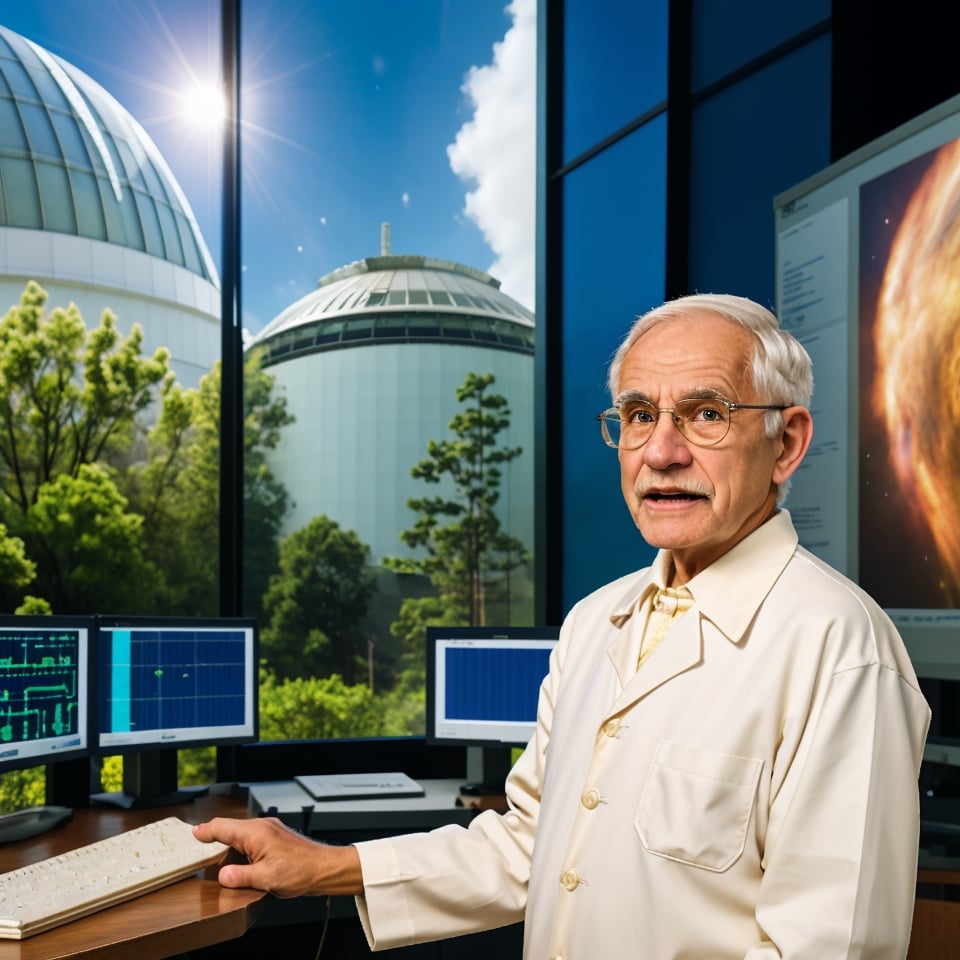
x,y
204,108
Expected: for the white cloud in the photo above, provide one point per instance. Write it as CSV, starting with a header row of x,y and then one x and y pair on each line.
x,y
496,151
405,198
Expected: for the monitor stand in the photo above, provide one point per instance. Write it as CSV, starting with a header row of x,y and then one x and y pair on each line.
x,y
487,769
150,780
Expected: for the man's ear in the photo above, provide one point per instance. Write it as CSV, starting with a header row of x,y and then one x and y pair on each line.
x,y
795,437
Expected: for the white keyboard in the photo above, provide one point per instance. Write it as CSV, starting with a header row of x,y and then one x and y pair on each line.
x,y
102,874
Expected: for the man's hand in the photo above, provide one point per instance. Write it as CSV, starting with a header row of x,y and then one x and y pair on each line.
x,y
281,861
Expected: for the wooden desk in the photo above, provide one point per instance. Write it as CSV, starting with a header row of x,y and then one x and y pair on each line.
x,y
936,912
184,916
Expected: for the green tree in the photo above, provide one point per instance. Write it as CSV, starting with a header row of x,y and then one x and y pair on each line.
x,y
69,399
17,570
177,489
93,546
462,546
265,499
302,708
315,608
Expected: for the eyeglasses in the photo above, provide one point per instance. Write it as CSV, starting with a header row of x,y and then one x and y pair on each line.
x,y
702,421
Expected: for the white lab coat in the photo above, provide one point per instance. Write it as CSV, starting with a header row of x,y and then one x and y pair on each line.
x,y
751,792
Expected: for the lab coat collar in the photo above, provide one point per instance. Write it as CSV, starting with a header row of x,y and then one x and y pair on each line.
x,y
752,566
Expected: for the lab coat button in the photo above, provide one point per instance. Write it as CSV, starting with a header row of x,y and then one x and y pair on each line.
x,y
569,880
611,728
590,799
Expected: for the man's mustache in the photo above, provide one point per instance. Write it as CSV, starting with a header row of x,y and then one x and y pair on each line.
x,y
691,488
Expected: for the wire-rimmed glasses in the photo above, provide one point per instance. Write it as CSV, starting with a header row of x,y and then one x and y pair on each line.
x,y
703,421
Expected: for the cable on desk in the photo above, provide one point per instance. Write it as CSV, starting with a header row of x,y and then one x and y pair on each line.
x,y
323,932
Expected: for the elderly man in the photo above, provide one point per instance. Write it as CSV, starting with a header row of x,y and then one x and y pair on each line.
x,y
728,742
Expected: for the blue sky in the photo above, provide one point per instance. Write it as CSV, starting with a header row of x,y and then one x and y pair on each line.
x,y
415,112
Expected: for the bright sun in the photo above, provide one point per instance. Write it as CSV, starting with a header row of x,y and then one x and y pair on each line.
x,y
204,107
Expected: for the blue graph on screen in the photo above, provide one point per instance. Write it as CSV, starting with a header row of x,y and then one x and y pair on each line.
x,y
493,683
175,679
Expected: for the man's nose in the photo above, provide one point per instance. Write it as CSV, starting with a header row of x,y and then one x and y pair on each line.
x,y
667,445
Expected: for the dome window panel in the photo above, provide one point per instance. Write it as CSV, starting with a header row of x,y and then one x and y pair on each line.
x,y
128,162
72,144
192,259
173,251
58,211
18,180
19,81
43,141
12,137
90,213
152,234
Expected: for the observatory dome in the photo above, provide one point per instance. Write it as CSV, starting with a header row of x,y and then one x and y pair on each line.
x,y
90,210
369,364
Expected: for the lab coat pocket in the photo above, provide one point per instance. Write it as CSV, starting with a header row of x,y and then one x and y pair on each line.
x,y
695,806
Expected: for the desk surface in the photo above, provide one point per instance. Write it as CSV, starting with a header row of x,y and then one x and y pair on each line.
x,y
184,916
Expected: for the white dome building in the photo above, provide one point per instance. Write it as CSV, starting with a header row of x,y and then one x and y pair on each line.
x,y
90,210
369,365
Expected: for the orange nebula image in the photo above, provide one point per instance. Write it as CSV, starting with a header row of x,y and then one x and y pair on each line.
x,y
915,389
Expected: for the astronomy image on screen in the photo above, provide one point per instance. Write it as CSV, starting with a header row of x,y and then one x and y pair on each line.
x,y
909,491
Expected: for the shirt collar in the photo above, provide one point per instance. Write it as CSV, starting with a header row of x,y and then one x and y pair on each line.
x,y
752,566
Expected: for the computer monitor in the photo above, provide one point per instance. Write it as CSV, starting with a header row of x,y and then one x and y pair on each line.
x,y
44,701
483,685
164,683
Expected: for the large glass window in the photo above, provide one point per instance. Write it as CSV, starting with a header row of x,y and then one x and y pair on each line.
x,y
613,270
630,41
726,36
731,189
387,221
387,159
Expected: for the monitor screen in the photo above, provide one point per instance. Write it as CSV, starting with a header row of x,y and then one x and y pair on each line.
x,y
866,278
44,699
171,682
483,683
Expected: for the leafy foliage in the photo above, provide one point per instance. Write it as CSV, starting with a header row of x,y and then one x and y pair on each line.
x,y
94,514
93,547
315,607
176,489
68,400
463,548
302,708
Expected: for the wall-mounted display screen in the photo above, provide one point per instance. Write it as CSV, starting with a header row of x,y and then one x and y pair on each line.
x,y
868,256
